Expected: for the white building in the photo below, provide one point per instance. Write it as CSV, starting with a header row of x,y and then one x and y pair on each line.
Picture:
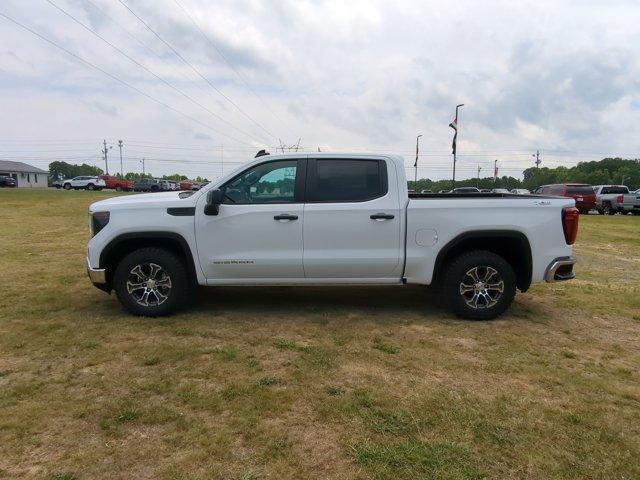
x,y
26,176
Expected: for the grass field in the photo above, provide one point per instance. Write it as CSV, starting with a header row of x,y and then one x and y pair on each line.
x,y
309,383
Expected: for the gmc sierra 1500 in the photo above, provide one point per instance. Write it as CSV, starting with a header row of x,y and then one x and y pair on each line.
x,y
309,219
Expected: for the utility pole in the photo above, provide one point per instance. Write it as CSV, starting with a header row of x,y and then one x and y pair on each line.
x,y
415,165
121,170
495,171
454,125
538,161
143,172
105,152
478,181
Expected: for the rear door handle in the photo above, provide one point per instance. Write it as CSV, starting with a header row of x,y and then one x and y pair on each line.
x,y
382,216
285,216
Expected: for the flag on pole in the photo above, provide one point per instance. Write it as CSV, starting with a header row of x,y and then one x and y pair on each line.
x,y
454,125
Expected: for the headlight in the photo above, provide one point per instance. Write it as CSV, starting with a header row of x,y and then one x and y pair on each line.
x,y
97,221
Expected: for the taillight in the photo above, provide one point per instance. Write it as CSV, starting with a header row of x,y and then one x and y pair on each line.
x,y
570,216
620,199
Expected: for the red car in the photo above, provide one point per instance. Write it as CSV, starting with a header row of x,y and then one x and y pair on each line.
x,y
116,183
189,185
583,194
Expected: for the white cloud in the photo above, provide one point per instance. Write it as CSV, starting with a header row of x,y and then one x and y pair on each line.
x,y
558,76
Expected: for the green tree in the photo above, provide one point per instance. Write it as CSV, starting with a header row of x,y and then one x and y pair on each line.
x,y
66,170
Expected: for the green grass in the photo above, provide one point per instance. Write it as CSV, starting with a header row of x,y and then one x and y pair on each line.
x,y
365,383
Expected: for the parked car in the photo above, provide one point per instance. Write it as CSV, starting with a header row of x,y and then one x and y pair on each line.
x,y
57,184
115,183
187,184
84,183
426,191
521,191
611,199
7,181
485,190
499,190
147,185
358,225
582,193
466,190
167,185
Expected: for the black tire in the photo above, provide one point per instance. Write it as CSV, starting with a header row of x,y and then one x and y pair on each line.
x,y
118,188
171,266
91,186
457,276
607,210
67,186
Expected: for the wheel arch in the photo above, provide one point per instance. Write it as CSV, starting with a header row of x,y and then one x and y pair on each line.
x,y
126,243
512,245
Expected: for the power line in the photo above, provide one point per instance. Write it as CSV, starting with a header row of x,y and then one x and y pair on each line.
x,y
114,77
129,34
195,70
170,85
226,60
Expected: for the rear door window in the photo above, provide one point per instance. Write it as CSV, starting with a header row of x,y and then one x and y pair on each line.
x,y
613,190
337,180
579,190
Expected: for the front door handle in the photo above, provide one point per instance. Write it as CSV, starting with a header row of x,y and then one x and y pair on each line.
x,y
285,216
382,216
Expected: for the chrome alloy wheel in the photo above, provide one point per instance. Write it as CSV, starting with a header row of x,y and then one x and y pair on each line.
x,y
481,287
149,284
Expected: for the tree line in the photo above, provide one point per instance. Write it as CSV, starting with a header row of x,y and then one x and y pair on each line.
x,y
60,170
608,171
616,171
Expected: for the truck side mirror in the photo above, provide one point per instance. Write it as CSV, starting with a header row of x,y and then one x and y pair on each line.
x,y
214,199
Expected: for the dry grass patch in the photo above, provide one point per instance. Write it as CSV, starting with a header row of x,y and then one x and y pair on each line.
x,y
295,383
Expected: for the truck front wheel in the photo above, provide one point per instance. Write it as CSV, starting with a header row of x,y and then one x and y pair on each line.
x,y
479,285
152,282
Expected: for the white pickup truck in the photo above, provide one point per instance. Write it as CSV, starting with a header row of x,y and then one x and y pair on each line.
x,y
328,219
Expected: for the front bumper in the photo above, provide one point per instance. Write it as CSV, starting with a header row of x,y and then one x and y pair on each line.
x,y
98,276
560,269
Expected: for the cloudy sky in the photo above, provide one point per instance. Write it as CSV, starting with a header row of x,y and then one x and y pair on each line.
x,y
182,78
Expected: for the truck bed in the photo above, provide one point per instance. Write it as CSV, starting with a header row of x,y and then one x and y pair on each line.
x,y
425,196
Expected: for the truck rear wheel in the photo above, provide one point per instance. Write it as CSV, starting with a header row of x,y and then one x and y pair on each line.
x,y
152,282
608,210
479,285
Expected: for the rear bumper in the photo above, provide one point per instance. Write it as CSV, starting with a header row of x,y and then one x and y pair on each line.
x,y
560,269
628,208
